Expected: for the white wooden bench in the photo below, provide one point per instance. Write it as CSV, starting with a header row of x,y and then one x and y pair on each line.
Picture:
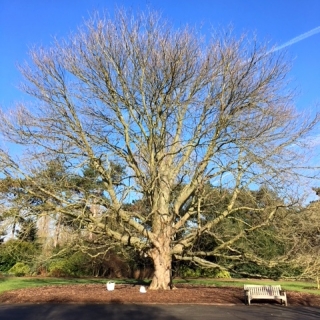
x,y
252,291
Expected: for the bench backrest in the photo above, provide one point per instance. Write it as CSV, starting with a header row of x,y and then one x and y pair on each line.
x,y
263,290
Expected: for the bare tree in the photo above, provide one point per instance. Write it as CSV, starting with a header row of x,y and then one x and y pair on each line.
x,y
177,111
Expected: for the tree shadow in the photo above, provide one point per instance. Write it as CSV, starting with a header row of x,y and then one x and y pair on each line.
x,y
138,282
115,310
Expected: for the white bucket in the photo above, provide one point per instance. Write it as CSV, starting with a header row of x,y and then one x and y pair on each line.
x,y
110,285
143,289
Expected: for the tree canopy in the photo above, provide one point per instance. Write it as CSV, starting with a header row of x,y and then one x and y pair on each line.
x,y
186,124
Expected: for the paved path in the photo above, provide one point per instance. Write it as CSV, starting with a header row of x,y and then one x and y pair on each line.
x,y
154,312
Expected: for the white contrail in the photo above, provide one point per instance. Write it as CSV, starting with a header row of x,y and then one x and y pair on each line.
x,y
297,39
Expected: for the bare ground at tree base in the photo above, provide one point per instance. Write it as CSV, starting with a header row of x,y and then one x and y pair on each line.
x,y
126,294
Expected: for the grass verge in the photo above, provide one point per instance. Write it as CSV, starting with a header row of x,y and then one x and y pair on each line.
x,y
14,283
298,286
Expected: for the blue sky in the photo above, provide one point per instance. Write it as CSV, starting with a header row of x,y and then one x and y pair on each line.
x,y
34,22
27,23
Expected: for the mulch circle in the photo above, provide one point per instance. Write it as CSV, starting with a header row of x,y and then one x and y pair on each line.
x,y
184,294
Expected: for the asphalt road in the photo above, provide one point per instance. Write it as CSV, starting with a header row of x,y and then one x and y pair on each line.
x,y
154,312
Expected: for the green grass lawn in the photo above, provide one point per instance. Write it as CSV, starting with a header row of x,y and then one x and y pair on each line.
x,y
307,287
13,283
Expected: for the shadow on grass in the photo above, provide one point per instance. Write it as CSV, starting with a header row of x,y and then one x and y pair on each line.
x,y
70,281
134,282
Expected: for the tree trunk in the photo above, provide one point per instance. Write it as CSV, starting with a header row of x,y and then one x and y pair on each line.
x,y
162,268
